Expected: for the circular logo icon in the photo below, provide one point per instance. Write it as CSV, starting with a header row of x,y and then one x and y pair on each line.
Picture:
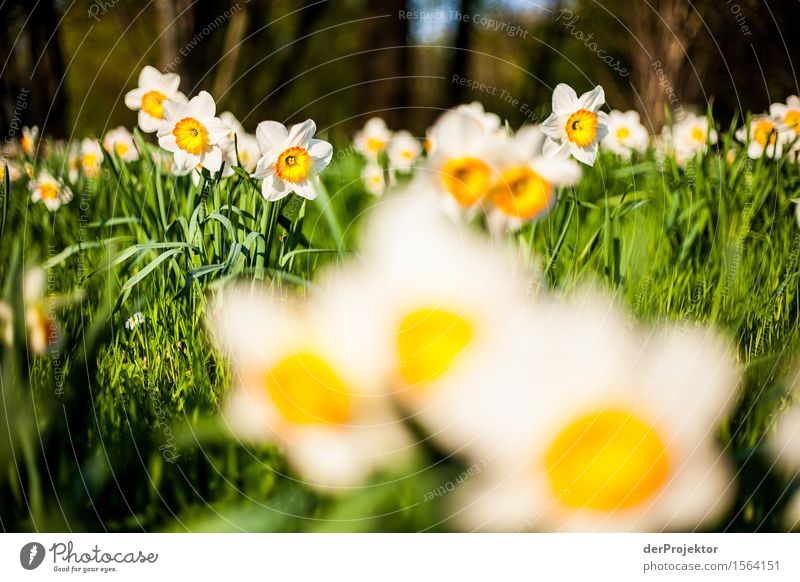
x,y
31,555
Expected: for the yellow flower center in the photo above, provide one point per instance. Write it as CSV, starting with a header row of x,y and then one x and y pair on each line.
x,y
582,127
191,136
153,104
765,130
698,134
306,390
623,133
375,145
429,342
48,191
606,461
89,163
293,164
466,179
792,119
27,144
121,148
522,193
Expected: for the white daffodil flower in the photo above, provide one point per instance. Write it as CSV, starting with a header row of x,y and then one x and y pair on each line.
x,y
526,185
289,159
789,115
193,134
626,133
29,140
403,151
464,166
154,91
598,426
374,179
766,136
51,191
372,139
91,158
299,384
119,141
576,125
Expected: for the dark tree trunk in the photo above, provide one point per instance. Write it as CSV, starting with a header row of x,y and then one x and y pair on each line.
x,y
461,54
385,70
47,78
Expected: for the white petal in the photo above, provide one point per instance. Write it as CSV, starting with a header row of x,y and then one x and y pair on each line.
x,y
565,100
593,100
271,137
217,130
202,106
553,147
554,125
321,153
149,77
586,155
166,140
148,123
133,99
273,188
212,160
301,133
305,189
265,167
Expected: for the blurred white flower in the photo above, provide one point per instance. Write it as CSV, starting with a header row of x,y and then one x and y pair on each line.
x,y
42,328
765,137
626,133
119,141
51,191
14,173
154,91
461,170
491,122
690,136
372,139
576,125
403,151
526,186
297,383
788,114
289,159
374,179
91,158
29,140
429,310
246,143
600,427
193,134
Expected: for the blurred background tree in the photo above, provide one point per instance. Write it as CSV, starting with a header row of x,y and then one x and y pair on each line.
x,y
339,62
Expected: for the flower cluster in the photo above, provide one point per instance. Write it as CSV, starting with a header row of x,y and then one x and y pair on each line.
x,y
611,427
285,159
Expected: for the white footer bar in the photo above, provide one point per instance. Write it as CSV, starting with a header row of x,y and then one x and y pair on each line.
x,y
402,557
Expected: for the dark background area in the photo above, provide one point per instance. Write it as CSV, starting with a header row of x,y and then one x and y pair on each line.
x,y
66,65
